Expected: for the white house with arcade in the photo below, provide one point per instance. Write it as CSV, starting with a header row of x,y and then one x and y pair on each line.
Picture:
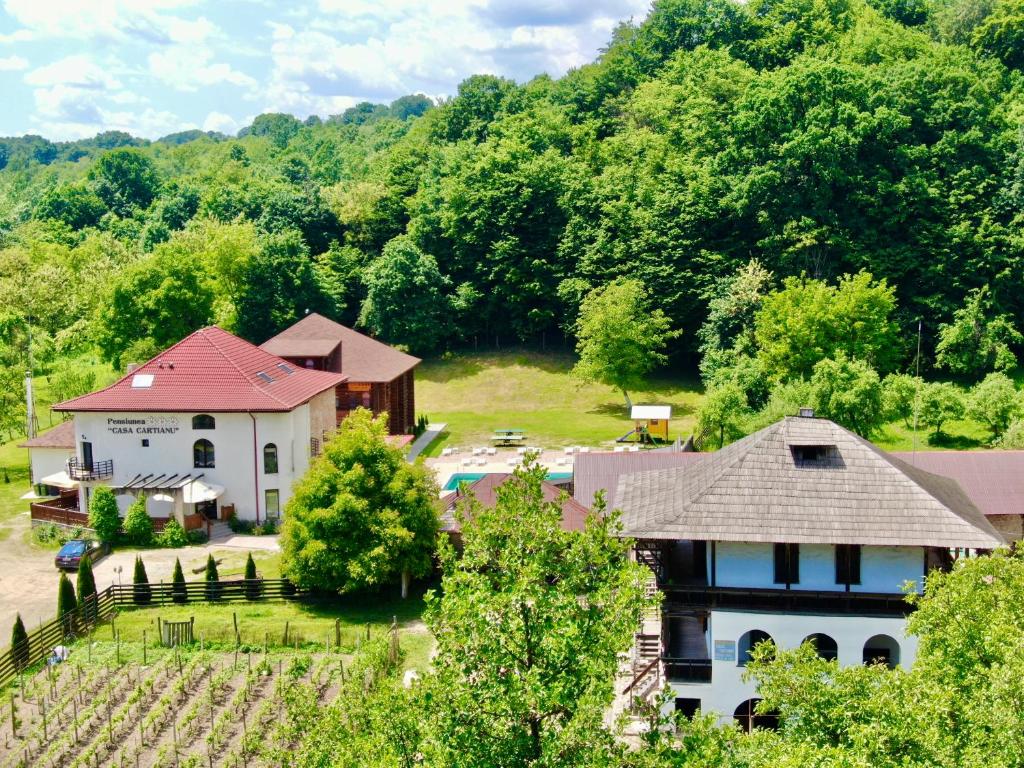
x,y
212,425
801,531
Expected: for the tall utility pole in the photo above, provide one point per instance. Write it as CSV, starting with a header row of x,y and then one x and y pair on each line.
x,y
917,396
31,422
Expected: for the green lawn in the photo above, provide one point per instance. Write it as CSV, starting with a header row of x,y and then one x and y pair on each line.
x,y
476,394
309,624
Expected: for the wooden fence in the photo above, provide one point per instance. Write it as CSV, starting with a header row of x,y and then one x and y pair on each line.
x,y
103,606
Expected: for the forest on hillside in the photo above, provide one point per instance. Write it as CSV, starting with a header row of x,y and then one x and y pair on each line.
x,y
817,138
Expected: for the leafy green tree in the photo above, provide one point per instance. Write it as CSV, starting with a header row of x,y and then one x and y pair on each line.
x,y
126,180
162,299
978,340
69,381
1001,34
278,287
67,605
849,392
86,589
212,578
104,517
732,309
899,396
995,402
405,297
73,204
142,593
1013,437
179,593
620,338
276,126
362,515
20,648
722,412
138,525
941,401
480,99
808,321
528,596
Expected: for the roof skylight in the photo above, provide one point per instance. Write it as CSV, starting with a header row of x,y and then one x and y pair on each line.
x,y
265,377
142,381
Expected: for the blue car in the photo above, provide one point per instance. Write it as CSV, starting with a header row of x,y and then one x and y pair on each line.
x,y
72,552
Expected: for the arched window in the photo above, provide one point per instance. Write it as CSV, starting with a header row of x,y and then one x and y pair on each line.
x,y
270,459
825,646
749,718
203,421
882,649
202,454
747,643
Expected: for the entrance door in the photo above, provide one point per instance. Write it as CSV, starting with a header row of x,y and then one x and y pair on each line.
x,y
208,509
87,456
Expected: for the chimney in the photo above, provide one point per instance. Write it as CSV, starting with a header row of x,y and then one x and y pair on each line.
x,y
131,367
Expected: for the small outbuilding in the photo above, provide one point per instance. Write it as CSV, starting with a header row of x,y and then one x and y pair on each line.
x,y
650,422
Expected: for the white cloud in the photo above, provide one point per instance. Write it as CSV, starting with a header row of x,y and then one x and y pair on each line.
x,y
79,71
13,63
218,121
189,68
147,20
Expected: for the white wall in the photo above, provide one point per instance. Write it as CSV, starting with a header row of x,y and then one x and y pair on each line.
x,y
48,461
882,569
238,456
727,689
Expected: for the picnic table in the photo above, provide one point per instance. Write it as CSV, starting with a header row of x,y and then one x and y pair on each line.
x,y
508,436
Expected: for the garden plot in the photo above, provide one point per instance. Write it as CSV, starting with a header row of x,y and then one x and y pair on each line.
x,y
181,708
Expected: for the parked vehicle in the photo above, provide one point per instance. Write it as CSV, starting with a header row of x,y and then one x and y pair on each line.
x,y
71,554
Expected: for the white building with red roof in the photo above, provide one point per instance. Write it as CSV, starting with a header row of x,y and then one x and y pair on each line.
x,y
212,425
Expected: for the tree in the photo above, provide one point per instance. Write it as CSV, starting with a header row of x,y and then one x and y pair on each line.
x,y
808,321
104,517
978,340
723,409
126,180
940,402
20,648
995,402
278,287
406,299
68,381
67,605
142,593
619,337
73,204
212,578
362,515
253,588
732,309
86,589
518,610
138,525
179,593
899,396
161,299
277,126
1000,33
849,392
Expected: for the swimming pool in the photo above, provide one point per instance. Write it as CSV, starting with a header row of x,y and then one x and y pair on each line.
x,y
472,477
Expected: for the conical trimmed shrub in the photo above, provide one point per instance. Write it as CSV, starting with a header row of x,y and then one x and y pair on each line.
x,y
67,605
19,644
86,590
178,591
253,587
142,593
212,579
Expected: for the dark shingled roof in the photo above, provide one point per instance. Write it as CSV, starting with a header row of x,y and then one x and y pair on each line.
x,y
994,480
485,490
61,436
754,491
593,472
362,359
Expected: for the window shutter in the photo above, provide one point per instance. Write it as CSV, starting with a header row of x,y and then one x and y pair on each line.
x,y
780,563
854,564
794,564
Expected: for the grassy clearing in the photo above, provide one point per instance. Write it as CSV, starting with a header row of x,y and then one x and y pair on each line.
x,y
309,624
476,394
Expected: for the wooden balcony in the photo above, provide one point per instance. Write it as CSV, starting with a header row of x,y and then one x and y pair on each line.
x,y
686,598
96,470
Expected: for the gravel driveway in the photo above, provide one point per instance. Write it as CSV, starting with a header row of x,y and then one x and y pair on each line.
x,y
28,578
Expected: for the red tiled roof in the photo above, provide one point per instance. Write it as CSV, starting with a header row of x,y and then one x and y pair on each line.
x,y
362,359
61,436
485,490
993,480
210,370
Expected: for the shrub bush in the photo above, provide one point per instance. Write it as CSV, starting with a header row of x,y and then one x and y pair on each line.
x,y
198,536
212,579
19,644
142,594
173,535
178,592
253,587
103,515
138,525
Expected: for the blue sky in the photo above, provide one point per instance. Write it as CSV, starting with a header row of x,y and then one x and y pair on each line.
x,y
72,68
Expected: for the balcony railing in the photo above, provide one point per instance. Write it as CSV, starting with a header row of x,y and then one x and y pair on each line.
x,y
95,470
687,598
687,670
